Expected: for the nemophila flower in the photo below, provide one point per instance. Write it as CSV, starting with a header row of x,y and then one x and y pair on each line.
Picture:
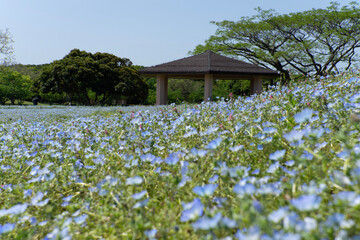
x,y
27,192
352,198
147,157
236,148
183,181
338,220
198,152
290,163
344,155
15,210
253,233
273,167
184,167
7,227
134,180
269,130
80,219
255,172
230,223
277,155
151,234
214,143
206,223
306,202
278,215
139,195
172,159
304,115
294,135
192,210
206,190
142,203
244,189
340,178
214,178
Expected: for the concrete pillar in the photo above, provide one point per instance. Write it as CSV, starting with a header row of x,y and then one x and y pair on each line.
x,y
209,78
161,89
256,85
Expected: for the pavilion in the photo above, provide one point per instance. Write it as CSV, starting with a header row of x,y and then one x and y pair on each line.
x,y
207,66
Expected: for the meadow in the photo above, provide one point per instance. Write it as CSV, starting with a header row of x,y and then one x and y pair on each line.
x,y
284,164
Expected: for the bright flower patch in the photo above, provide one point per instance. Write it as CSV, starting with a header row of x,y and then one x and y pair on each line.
x,y
281,165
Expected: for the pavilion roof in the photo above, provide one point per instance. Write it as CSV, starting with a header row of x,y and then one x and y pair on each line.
x,y
208,63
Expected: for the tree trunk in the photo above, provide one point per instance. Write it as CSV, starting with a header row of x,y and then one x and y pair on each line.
x,y
284,77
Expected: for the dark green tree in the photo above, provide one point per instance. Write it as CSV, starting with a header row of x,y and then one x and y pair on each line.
x,y
13,86
100,78
309,42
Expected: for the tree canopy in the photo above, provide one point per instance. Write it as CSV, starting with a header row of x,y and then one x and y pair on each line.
x,y
310,42
13,86
6,49
99,77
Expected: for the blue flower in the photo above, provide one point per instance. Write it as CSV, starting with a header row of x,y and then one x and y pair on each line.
x,y
142,203
151,234
206,223
236,148
214,178
172,159
294,135
273,167
244,189
206,190
27,192
134,180
37,198
279,214
304,115
183,181
279,154
16,210
306,202
192,210
198,153
139,195
7,227
214,143
229,222
80,219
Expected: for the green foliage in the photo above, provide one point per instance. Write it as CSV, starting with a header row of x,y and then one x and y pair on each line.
x,y
13,86
31,70
309,42
86,77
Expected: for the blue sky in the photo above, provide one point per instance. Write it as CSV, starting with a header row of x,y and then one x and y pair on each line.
x,y
148,32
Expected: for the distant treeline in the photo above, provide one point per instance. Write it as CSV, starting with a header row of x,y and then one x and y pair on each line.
x,y
179,90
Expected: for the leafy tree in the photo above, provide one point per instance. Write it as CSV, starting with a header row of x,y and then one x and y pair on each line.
x,y
13,86
309,42
100,77
6,49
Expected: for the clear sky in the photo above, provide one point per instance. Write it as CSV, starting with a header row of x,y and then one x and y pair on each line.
x,y
148,32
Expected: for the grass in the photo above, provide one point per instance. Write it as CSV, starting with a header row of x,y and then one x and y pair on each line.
x,y
281,165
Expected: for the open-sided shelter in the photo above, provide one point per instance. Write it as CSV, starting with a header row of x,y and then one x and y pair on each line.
x,y
207,66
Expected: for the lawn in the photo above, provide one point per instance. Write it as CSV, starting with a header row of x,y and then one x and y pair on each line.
x,y
281,165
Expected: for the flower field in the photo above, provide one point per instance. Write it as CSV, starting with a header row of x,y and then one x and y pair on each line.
x,y
281,165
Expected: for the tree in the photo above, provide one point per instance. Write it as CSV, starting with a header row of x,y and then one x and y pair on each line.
x,y
6,49
86,77
310,42
13,86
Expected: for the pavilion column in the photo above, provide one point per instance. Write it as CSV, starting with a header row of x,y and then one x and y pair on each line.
x,y
209,78
256,85
161,89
